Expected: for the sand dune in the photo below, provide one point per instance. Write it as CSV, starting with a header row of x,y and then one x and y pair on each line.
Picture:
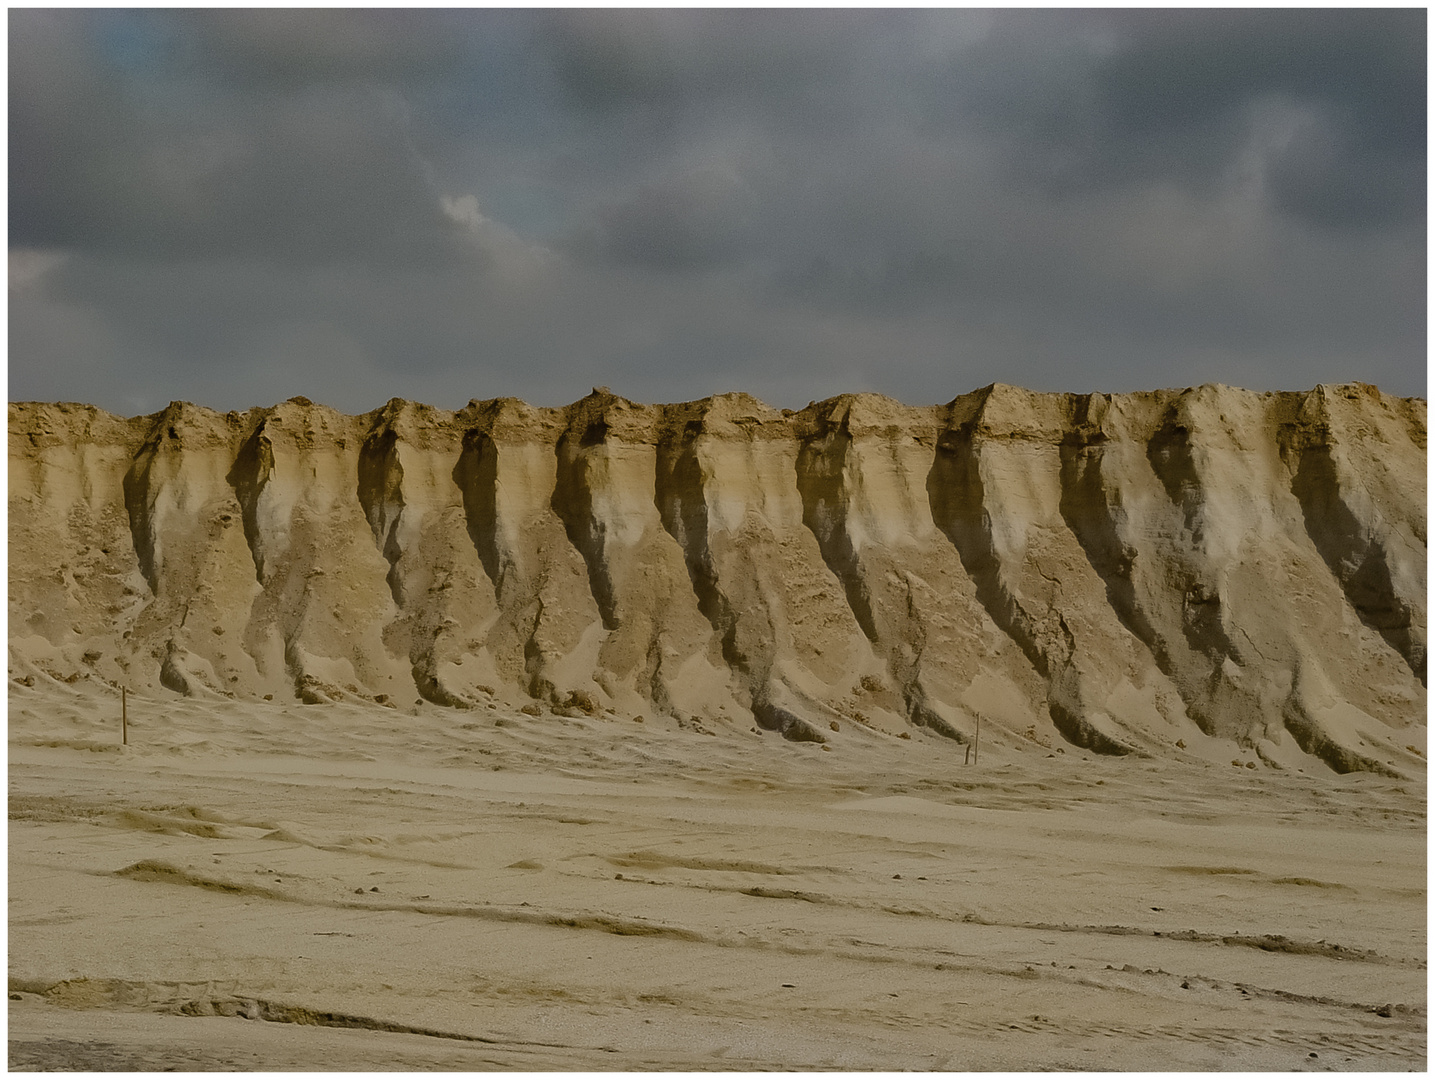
x,y
1154,573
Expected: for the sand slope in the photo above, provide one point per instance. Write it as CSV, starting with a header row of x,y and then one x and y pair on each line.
x,y
1172,573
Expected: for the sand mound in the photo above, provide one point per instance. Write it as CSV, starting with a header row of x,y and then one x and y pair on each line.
x,y
1162,573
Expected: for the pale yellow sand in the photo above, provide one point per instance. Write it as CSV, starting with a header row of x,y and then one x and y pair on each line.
x,y
1177,571
589,893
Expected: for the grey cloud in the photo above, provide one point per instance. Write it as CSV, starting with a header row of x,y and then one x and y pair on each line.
x,y
1324,174
1361,72
297,47
324,171
466,203
612,60
1083,101
70,133
691,222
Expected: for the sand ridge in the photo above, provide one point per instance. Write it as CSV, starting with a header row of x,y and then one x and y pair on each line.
x,y
1176,573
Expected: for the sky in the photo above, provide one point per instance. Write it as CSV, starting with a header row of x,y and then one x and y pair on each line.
x,y
232,207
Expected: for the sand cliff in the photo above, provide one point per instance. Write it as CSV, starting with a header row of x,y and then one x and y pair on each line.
x,y
1162,573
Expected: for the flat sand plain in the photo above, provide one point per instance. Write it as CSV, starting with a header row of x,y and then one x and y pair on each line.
x,y
346,887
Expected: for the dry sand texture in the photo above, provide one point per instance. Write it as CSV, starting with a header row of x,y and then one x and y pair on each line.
x,y
1115,573
385,780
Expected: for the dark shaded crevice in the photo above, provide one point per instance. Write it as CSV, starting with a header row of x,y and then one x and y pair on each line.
x,y
1078,732
957,498
1203,617
308,688
537,684
957,495
431,689
1169,452
573,503
654,678
476,474
1355,556
907,673
821,484
171,677
140,507
248,476
519,600
1090,515
682,507
381,494
923,715
791,726
1214,700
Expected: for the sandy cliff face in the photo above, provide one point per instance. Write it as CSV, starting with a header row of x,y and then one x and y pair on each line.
x,y
1170,573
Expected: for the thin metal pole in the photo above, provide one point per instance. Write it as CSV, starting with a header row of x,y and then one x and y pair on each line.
x,y
124,718
977,749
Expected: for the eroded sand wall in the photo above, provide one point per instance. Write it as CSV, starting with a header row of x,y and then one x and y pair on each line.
x,y
1140,573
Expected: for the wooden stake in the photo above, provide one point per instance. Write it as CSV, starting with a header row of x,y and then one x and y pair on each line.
x,y
124,718
977,747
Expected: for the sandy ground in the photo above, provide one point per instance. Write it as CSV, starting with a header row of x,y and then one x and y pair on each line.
x,y
336,887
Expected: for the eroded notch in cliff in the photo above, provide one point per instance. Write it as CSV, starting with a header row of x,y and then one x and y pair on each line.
x,y
683,509
957,496
573,503
381,494
476,475
515,636
1355,554
821,465
139,503
248,476
1173,459
1087,509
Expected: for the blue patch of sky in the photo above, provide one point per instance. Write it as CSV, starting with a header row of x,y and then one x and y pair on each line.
x,y
135,43
500,120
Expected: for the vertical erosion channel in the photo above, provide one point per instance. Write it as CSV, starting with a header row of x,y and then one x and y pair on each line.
x,y
476,475
821,481
139,495
248,477
1088,511
683,510
1356,554
381,494
573,503
957,495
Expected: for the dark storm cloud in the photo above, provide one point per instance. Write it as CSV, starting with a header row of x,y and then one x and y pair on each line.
x,y
1358,157
1115,99
279,49
238,205
116,145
